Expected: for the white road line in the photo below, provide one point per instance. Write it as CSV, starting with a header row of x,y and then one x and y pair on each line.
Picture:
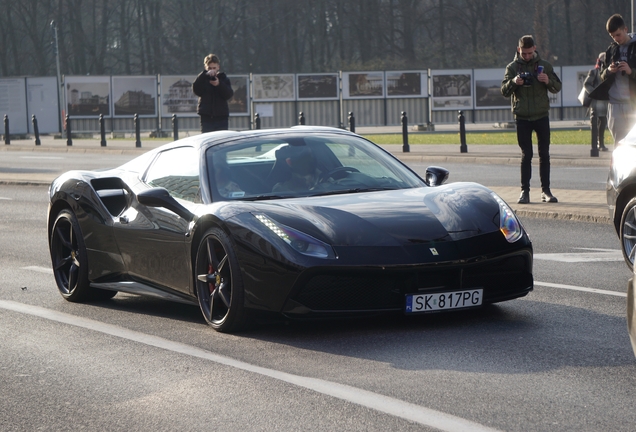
x,y
38,269
5,198
395,407
578,288
48,270
596,255
41,157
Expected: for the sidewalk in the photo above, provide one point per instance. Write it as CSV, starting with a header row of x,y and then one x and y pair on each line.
x,y
580,205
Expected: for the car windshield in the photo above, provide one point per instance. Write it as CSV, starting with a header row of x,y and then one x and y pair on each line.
x,y
295,165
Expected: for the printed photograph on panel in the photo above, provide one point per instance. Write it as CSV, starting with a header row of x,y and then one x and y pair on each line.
x,y
404,84
318,86
135,95
451,91
87,96
580,80
239,104
488,94
274,87
366,84
177,96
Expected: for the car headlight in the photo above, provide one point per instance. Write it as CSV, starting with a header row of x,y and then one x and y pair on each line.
x,y
300,242
508,223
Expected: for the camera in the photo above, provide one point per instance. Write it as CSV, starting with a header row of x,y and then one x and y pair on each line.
x,y
527,78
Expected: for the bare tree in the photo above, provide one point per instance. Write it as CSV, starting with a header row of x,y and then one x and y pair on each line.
x,y
275,36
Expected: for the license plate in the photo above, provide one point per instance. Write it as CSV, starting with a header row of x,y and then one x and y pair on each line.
x,y
443,301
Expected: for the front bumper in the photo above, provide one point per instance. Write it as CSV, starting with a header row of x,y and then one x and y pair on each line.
x,y
377,289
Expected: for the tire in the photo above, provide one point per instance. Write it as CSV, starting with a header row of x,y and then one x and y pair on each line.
x,y
70,263
219,283
628,233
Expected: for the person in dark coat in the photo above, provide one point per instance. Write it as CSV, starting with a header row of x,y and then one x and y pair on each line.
x,y
598,108
214,90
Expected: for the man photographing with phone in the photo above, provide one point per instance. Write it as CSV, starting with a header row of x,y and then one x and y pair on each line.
x,y
214,90
619,79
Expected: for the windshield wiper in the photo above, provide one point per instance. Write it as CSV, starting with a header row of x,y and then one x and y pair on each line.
x,y
265,197
353,190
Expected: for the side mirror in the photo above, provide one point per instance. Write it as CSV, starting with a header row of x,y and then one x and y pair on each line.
x,y
160,197
436,176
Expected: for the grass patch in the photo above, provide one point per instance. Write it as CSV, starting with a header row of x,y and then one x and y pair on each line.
x,y
579,136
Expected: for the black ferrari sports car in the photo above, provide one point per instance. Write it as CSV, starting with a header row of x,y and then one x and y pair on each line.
x,y
307,222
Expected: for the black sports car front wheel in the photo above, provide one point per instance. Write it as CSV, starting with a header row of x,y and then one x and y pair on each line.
x,y
70,264
219,283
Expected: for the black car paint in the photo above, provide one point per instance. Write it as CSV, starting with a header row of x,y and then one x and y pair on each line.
x,y
371,235
621,181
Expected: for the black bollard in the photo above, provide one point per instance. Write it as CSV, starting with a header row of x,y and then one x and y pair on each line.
x,y
257,121
352,122
594,124
463,148
7,136
137,133
301,118
69,134
102,131
36,130
175,127
405,133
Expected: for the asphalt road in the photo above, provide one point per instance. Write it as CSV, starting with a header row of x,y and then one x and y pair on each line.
x,y
558,359
564,177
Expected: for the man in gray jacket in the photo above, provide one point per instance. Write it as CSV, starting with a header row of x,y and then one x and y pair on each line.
x,y
619,77
528,79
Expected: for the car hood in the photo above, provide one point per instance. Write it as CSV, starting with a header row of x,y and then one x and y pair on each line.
x,y
391,218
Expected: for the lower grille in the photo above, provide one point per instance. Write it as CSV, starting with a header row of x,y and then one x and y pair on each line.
x,y
375,289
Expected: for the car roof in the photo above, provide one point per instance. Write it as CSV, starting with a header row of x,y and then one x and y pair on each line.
x,y
212,138
205,140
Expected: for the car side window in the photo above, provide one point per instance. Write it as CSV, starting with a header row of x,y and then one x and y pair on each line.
x,y
177,170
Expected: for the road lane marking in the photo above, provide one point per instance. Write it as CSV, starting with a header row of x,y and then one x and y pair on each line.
x,y
41,157
578,288
595,255
392,406
48,270
38,269
5,198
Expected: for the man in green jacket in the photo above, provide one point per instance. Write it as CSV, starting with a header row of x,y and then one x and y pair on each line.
x,y
528,80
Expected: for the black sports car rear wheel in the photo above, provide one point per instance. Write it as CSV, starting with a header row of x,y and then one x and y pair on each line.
x,y
628,233
70,264
219,283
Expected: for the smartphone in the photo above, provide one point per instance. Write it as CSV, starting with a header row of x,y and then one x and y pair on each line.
x,y
539,70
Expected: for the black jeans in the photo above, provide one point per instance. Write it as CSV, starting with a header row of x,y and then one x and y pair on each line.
x,y
598,130
524,138
211,124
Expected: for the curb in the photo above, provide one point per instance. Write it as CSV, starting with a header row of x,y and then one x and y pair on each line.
x,y
563,216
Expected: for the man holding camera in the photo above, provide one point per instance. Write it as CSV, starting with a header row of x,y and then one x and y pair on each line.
x,y
619,79
214,90
528,79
